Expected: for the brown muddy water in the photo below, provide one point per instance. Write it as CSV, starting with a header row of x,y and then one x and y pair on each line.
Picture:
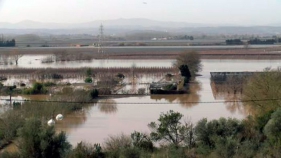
x,y
125,115
35,61
5,102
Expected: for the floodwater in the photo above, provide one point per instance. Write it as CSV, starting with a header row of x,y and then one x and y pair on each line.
x,y
5,100
35,61
125,115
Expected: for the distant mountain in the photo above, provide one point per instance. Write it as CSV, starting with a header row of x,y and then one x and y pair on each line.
x,y
118,23
132,26
231,30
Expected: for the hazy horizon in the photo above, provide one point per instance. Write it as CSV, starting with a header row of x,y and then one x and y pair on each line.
x,y
219,12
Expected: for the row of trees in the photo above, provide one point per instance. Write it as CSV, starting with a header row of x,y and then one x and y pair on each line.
x,y
183,37
252,41
259,41
233,42
8,43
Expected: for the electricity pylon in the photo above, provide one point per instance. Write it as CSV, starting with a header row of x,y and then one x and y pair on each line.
x,y
100,44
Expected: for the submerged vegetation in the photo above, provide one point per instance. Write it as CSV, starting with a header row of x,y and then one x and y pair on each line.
x,y
37,88
169,136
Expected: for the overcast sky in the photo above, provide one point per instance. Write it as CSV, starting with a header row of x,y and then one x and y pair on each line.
x,y
239,12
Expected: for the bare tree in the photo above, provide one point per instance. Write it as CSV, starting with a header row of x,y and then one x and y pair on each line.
x,y
191,59
61,55
16,56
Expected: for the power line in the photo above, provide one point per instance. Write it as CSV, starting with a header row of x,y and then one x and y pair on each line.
x,y
96,101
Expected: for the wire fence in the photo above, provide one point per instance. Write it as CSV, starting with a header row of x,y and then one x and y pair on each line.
x,y
105,102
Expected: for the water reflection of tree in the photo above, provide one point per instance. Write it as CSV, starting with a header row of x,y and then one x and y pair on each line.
x,y
186,100
231,90
74,119
108,106
233,103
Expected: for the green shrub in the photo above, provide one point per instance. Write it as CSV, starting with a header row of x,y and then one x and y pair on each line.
x,y
207,132
38,88
38,140
226,147
83,150
88,80
142,141
130,153
170,152
273,127
10,122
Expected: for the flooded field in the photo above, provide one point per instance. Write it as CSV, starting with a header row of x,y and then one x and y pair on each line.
x,y
35,61
111,117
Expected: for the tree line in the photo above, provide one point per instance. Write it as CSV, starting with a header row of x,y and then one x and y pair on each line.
x,y
8,43
183,37
252,41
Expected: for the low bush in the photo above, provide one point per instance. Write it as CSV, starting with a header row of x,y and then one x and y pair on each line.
x,y
38,140
37,88
83,150
88,80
